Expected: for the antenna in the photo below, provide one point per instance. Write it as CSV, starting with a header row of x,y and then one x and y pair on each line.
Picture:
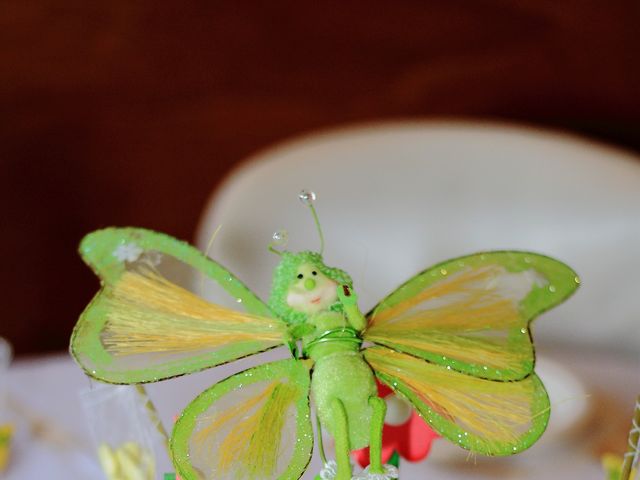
x,y
280,239
308,197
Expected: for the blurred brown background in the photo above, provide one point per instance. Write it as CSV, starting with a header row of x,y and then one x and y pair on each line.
x,y
130,113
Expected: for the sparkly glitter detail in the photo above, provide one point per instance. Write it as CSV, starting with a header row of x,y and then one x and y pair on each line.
x,y
127,252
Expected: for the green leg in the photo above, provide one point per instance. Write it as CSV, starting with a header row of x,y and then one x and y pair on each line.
x,y
320,442
375,443
341,436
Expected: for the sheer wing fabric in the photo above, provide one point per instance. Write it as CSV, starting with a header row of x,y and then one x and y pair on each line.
x,y
254,425
143,326
472,314
484,416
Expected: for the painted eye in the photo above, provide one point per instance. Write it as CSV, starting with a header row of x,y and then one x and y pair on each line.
x,y
314,273
300,275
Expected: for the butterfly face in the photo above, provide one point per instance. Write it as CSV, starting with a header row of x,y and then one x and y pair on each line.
x,y
311,290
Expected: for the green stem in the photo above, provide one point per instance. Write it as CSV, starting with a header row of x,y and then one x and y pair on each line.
x,y
153,416
634,441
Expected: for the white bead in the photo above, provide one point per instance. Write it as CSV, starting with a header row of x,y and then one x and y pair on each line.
x,y
307,197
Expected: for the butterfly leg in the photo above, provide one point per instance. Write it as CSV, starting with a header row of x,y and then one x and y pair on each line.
x,y
341,436
377,423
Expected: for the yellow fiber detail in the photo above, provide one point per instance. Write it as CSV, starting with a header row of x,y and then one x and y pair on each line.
x,y
474,281
470,322
495,411
251,447
148,313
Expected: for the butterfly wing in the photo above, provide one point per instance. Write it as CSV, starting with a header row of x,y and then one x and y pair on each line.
x,y
472,313
484,416
144,327
254,425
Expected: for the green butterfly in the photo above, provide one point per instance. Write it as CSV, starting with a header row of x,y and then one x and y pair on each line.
x,y
454,341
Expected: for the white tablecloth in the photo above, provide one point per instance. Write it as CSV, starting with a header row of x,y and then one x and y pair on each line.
x,y
46,390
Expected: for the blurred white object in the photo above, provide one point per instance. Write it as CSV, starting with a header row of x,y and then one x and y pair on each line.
x,y
395,198
122,431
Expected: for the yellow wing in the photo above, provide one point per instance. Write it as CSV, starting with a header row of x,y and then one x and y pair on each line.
x,y
254,425
142,328
472,314
484,416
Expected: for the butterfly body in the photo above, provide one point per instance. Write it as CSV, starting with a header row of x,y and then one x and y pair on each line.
x,y
454,341
340,372
342,383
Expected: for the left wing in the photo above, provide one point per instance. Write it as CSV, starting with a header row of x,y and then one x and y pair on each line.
x,y
483,416
144,327
254,425
472,313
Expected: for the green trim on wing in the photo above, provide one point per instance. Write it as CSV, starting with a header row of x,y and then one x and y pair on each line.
x,y
97,250
87,347
560,281
443,391
201,413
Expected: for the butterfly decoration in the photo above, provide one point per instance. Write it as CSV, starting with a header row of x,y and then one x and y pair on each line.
x,y
454,341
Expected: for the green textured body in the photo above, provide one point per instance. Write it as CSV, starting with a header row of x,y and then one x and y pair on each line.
x,y
335,349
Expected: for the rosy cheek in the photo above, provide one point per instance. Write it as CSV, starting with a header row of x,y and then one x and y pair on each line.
x,y
296,300
331,294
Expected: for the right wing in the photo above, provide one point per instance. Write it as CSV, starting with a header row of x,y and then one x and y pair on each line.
x,y
473,313
480,415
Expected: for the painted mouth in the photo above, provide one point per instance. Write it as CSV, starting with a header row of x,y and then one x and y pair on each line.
x,y
315,300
